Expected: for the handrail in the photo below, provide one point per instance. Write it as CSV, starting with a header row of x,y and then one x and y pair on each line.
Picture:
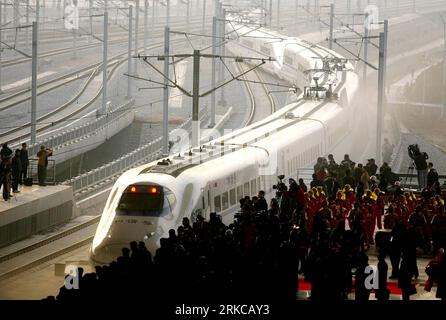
x,y
60,139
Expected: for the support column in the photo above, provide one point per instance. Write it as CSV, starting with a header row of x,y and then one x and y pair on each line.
x,y
213,67
270,24
379,120
104,65
365,57
27,23
146,8
330,39
444,71
278,15
129,55
136,31
222,53
90,13
168,13
204,17
166,92
34,83
196,100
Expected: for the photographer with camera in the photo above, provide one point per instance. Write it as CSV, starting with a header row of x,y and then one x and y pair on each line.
x,y
419,158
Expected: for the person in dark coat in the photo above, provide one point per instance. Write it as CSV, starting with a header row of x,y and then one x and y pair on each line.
x,y
432,175
5,179
25,161
16,170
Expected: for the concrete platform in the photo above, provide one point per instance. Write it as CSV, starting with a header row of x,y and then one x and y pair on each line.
x,y
34,209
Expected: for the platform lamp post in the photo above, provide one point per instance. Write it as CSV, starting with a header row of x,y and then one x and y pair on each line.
x,y
381,83
1,39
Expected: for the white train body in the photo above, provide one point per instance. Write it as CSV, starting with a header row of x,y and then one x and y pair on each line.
x,y
237,164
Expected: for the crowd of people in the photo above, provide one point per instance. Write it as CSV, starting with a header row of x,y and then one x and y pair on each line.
x,y
322,232
14,168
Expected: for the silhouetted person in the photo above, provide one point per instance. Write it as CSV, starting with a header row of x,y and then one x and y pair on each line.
x,y
16,171
25,161
42,164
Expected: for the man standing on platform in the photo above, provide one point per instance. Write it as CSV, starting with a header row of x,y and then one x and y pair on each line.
x,y
42,164
24,161
16,170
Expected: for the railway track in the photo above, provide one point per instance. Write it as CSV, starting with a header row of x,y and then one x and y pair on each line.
x,y
22,131
114,38
255,76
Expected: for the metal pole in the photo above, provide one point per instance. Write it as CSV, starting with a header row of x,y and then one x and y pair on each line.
x,y
129,57
270,13
34,83
366,42
188,15
27,23
196,100
223,53
213,67
168,14
106,5
90,13
204,17
444,70
296,15
15,9
349,10
154,16
386,41
146,8
278,14
136,35
330,44
379,120
1,39
104,65
166,92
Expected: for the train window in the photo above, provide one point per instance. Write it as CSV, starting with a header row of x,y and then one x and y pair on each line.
x,y
253,187
225,201
232,199
217,204
239,192
246,189
146,200
258,183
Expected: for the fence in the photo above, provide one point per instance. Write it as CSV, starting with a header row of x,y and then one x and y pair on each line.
x,y
51,171
109,172
78,132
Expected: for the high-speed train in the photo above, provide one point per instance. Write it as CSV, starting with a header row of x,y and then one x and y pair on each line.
x,y
147,201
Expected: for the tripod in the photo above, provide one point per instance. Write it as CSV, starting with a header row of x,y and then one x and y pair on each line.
x,y
410,172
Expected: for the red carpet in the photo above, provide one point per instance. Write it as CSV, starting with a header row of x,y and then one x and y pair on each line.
x,y
391,285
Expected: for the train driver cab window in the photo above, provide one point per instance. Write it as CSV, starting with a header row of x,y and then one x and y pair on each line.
x,y
217,203
146,200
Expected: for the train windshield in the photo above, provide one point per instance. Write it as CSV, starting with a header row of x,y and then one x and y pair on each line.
x,y
146,200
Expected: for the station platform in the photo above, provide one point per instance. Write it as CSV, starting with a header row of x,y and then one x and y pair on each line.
x,y
33,210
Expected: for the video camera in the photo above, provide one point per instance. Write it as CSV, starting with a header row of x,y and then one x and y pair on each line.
x,y
413,149
280,186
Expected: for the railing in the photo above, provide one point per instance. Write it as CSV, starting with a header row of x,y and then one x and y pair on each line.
x,y
109,172
58,140
51,171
